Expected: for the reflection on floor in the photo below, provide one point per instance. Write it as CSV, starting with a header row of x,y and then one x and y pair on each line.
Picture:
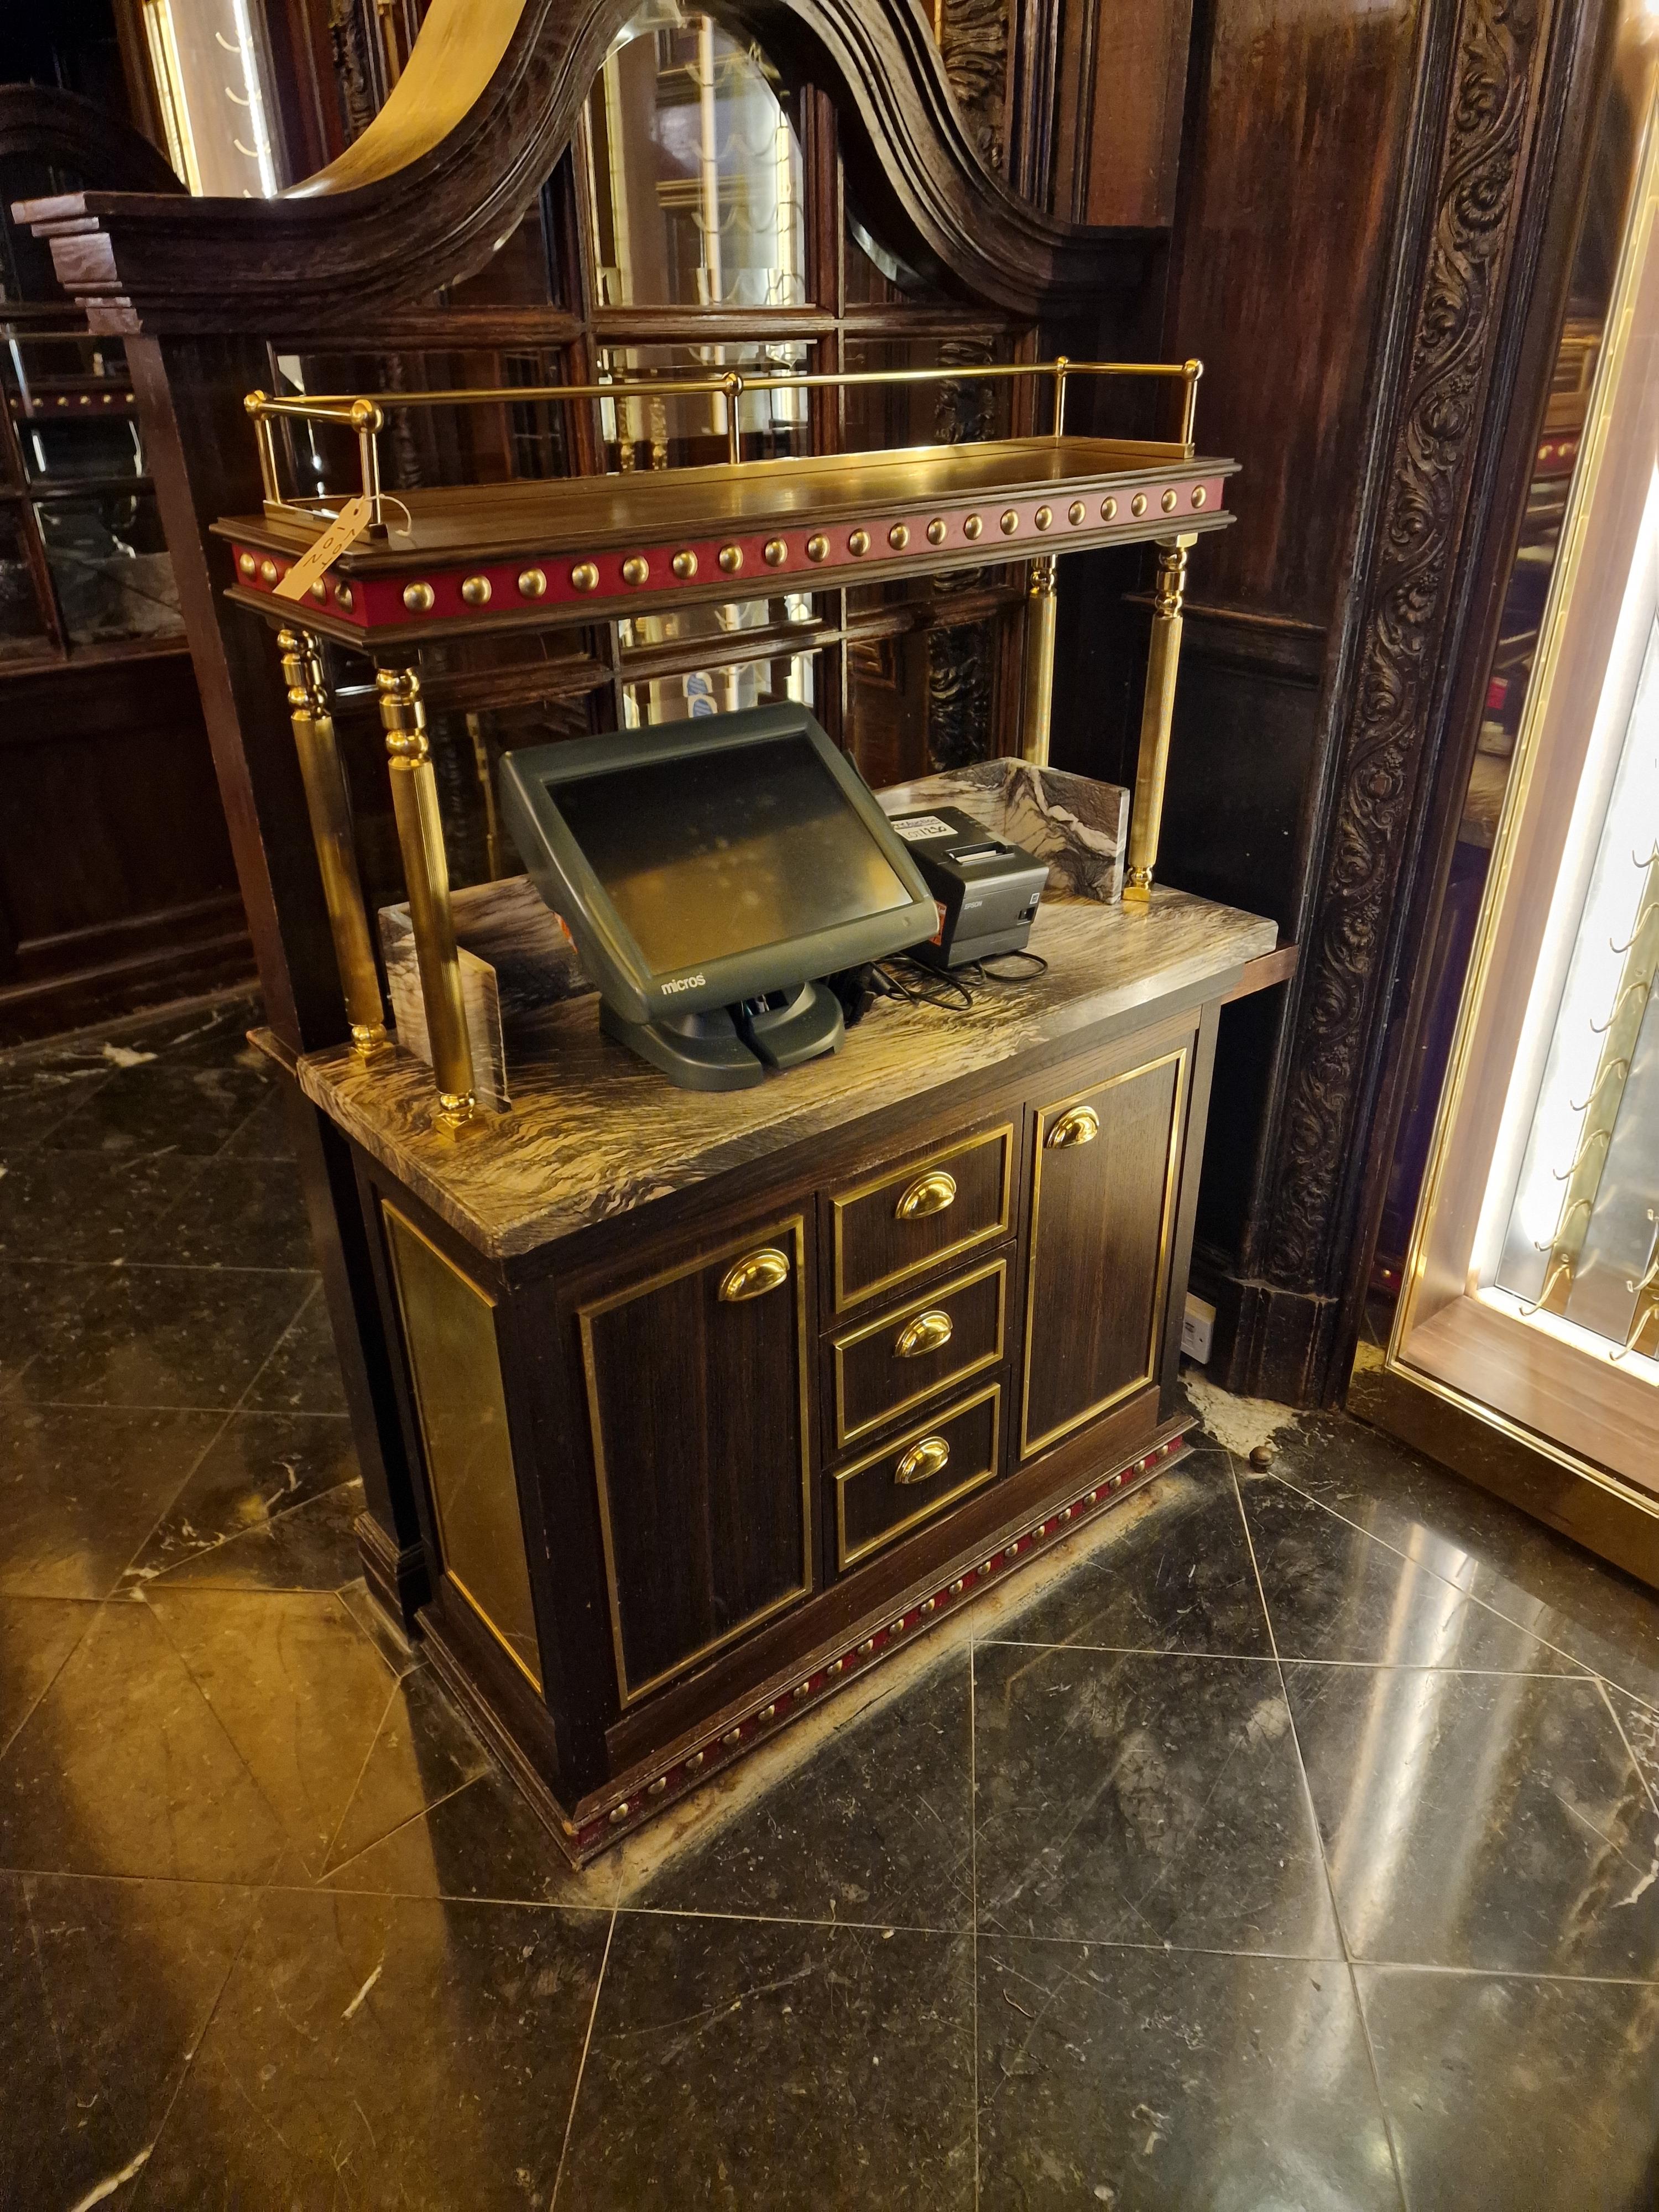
x,y
1296,1848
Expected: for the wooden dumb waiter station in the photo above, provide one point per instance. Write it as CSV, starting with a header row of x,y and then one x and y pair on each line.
x,y
679,1411
719,1401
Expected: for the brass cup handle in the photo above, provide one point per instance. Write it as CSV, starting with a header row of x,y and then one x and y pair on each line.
x,y
928,1332
753,1275
1079,1126
928,1193
923,1460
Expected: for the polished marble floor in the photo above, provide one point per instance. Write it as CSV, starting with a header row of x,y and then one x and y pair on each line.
x,y
1295,1848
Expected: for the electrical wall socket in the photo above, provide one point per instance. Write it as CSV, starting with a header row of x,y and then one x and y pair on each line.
x,y
1198,1330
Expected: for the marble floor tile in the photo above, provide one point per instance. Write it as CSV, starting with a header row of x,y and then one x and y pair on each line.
x,y
1504,2091
38,1092
37,1299
169,1336
422,1753
264,1135
258,1469
302,1375
1334,1592
169,1104
104,1990
297,1688
1488,1820
37,1635
1170,1573
740,2062
375,2052
483,1843
82,1487
1639,1726
1134,1798
876,1826
314,1547
401,1653
86,1206
237,1213
1152,2081
123,1768
1540,1580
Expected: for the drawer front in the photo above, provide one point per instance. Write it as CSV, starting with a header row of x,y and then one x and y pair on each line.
x,y
888,1230
885,1496
884,1367
1105,1177
696,1401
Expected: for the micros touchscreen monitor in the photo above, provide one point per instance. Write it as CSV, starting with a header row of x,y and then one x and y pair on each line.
x,y
710,872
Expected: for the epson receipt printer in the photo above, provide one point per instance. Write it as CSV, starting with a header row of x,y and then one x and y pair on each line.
x,y
985,890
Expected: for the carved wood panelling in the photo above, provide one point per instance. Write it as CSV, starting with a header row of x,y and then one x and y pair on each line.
x,y
974,37
1404,626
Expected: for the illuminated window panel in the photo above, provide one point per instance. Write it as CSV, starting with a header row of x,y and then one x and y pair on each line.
x,y
209,73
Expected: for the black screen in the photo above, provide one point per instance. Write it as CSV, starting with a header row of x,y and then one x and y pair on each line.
x,y
716,853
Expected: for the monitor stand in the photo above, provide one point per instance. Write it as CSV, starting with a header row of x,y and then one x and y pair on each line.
x,y
787,1027
697,1052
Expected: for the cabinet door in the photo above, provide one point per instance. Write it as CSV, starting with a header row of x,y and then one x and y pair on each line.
x,y
1105,1170
696,1401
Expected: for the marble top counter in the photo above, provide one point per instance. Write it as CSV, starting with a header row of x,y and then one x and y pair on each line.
x,y
594,1132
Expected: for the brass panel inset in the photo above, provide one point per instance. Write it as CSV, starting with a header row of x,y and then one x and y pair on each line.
x,y
896,1455
1003,1135
455,1375
792,1233
1062,1110
906,1347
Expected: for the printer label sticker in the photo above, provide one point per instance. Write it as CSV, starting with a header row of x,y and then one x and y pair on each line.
x,y
917,828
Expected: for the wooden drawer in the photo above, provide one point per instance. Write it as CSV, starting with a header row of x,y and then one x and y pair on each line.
x,y
884,1367
885,1496
888,1230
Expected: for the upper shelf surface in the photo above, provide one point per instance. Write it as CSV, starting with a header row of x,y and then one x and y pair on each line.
x,y
473,557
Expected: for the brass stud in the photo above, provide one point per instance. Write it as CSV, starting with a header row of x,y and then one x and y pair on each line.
x,y
768,1712
1065,1512
655,1788
343,597
476,591
866,1647
983,1569
685,565
1075,512
1043,517
636,569
776,553
731,559
731,1736
320,593
1168,502
958,1586
1009,522
694,1762
858,543
1199,495
835,1666
897,1628
927,1605
584,576
267,572
1137,504
619,1813
816,547
248,564
1092,1497
936,531
898,536
418,599
533,584
972,527
1108,510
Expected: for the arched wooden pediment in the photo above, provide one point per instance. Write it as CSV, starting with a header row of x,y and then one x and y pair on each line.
x,y
489,101
38,122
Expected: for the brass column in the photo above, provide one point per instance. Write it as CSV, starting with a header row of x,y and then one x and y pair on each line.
x,y
1157,710
426,873
1039,661
331,830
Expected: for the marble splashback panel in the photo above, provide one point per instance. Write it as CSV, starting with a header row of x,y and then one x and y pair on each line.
x,y
1078,826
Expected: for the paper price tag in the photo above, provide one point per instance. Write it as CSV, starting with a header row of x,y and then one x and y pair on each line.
x,y
351,519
